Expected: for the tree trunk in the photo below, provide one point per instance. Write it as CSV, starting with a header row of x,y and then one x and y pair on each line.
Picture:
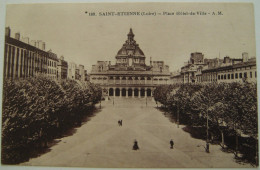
x,y
211,136
178,117
256,152
222,139
236,144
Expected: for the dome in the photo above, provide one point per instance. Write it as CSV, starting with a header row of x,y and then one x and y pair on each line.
x,y
130,47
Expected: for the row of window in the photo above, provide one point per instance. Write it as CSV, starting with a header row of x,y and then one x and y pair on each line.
x,y
130,78
52,63
22,63
51,71
236,76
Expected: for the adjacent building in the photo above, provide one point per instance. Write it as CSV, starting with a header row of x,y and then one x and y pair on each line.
x,y
200,70
129,76
21,59
72,71
62,68
52,71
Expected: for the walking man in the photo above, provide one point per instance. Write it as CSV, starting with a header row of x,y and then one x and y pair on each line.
x,y
207,147
171,143
135,147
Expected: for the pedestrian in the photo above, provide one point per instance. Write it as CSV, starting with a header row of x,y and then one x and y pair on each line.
x,y
121,122
135,147
171,143
118,122
207,147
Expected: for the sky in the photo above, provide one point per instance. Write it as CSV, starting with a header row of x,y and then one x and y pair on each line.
x,y
67,30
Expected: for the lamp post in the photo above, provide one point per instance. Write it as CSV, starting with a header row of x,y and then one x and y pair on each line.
x,y
178,116
113,101
207,142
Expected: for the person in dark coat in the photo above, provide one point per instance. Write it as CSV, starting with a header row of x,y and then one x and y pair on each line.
x,y
207,147
171,143
135,147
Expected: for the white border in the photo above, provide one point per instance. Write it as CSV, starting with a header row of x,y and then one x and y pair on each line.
x,y
2,33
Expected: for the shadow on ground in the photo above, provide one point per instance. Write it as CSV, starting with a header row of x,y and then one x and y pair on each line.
x,y
45,147
246,152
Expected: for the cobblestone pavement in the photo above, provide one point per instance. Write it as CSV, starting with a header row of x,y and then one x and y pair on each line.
x,y
101,143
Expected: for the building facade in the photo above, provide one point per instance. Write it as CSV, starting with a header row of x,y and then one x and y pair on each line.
x,y
192,69
21,59
240,72
52,65
130,76
81,73
72,71
227,70
62,68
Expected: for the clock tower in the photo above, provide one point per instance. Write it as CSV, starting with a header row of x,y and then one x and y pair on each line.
x,y
130,56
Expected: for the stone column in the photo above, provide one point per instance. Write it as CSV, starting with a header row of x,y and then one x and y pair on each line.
x,y
120,82
114,80
126,80
145,92
145,78
114,92
120,92
133,93
139,82
152,94
139,92
126,95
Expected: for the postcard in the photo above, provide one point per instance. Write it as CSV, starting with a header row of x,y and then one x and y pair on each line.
x,y
130,85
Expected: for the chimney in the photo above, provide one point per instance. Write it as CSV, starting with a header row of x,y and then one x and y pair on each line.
x,y
7,31
25,40
17,36
61,57
43,46
33,43
39,44
245,56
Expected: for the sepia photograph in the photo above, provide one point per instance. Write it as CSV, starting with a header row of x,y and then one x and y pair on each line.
x,y
129,85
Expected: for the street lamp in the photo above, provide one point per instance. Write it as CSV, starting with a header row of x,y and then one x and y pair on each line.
x,y
178,116
207,142
177,106
113,101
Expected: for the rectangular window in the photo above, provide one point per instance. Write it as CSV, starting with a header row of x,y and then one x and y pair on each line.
x,y
17,63
221,77
21,64
12,62
228,76
236,75
232,76
225,76
251,75
255,74
9,60
240,75
245,74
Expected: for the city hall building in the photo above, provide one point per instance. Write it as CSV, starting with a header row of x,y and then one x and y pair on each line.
x,y
130,76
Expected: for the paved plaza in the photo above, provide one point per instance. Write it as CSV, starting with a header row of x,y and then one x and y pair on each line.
x,y
101,143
